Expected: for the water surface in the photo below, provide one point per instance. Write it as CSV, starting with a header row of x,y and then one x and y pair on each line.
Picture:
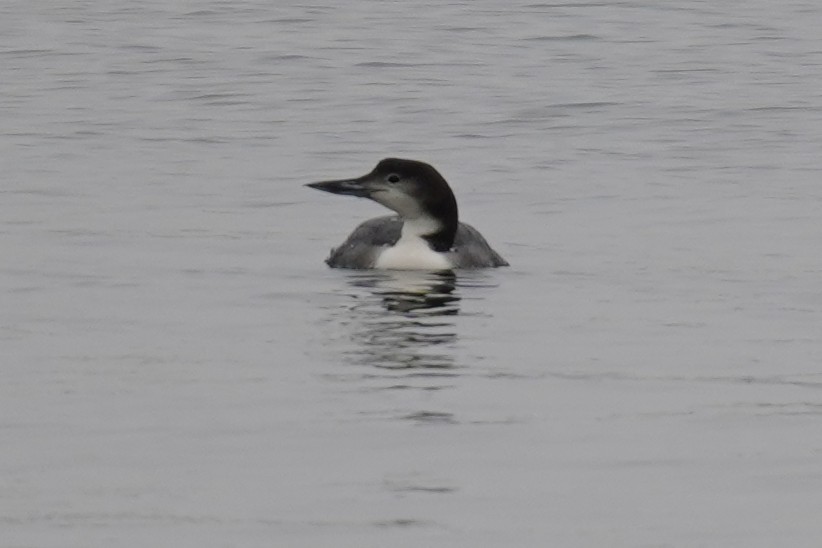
x,y
180,367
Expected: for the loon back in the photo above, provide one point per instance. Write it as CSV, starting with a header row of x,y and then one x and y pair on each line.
x,y
365,244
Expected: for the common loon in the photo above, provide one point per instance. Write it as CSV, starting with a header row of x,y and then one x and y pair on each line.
x,y
424,235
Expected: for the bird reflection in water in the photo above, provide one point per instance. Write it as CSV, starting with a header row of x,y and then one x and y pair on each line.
x,y
429,293
402,327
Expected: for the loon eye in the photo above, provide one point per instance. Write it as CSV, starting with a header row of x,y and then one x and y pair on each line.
x,y
393,178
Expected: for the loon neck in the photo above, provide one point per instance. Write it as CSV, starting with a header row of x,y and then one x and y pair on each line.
x,y
441,241
439,234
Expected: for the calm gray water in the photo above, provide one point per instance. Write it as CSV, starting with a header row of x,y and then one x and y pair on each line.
x,y
179,367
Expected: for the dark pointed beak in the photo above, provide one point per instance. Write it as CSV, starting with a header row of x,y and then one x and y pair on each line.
x,y
350,187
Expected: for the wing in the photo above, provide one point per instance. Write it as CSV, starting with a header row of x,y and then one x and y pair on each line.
x,y
361,248
470,250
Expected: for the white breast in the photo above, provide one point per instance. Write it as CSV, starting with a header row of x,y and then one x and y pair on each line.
x,y
412,252
412,255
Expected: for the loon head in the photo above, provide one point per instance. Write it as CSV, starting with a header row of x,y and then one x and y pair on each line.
x,y
415,190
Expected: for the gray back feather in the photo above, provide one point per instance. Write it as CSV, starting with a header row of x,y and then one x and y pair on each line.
x,y
470,250
362,246
360,250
